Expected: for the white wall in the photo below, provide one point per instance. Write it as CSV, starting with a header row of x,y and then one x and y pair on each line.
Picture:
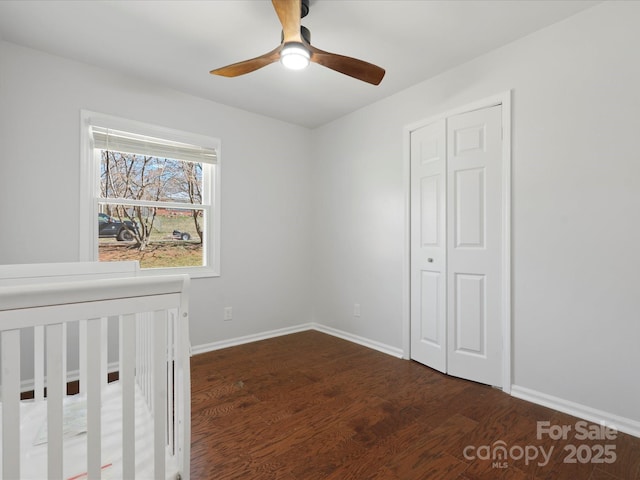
x,y
576,200
265,200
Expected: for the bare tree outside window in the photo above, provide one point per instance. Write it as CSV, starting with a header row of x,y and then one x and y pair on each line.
x,y
126,177
192,175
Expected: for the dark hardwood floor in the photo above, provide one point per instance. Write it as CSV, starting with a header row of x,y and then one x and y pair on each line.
x,y
310,406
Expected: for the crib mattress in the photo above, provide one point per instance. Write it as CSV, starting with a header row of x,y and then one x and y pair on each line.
x,y
33,446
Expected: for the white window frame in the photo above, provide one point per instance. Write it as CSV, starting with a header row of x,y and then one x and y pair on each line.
x,y
90,190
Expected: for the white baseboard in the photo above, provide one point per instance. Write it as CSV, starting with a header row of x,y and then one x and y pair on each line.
x,y
381,347
232,342
622,424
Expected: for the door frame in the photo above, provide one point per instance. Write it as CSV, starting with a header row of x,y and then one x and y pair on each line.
x,y
503,99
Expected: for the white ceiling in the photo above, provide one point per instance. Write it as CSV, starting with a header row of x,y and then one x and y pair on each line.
x,y
176,43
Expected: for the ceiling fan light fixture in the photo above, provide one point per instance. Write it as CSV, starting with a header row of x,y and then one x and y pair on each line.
x,y
295,50
295,56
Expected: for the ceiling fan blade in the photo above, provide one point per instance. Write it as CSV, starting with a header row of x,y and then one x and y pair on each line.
x,y
247,66
289,14
365,71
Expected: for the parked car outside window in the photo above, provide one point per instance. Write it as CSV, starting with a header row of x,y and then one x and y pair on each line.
x,y
110,227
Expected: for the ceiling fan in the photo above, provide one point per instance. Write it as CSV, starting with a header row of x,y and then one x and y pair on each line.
x,y
295,50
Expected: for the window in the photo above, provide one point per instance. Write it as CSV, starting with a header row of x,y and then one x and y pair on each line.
x,y
149,194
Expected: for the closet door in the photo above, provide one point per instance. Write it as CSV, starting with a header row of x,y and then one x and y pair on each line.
x,y
456,250
474,170
428,246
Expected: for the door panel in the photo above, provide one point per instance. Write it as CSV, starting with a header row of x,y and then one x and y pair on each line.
x,y
430,306
469,210
430,199
469,314
469,139
474,256
428,253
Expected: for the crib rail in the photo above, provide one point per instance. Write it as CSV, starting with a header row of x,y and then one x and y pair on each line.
x,y
153,346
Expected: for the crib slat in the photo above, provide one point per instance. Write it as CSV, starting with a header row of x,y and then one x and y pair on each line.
x,y
104,325
146,334
55,382
64,359
82,355
170,387
159,362
38,363
94,392
127,372
149,325
11,404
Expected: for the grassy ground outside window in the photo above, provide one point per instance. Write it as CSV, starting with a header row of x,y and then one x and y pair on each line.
x,y
163,251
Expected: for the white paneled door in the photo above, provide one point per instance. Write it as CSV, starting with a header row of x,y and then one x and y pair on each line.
x,y
456,245
428,245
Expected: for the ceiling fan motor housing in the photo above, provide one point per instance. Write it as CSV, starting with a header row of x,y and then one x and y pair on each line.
x,y
304,31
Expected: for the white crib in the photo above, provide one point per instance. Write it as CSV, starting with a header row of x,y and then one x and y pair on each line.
x,y
78,321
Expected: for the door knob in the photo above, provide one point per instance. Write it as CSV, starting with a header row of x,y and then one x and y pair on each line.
x,y
430,260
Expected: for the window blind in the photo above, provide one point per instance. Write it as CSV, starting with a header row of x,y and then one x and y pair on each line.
x,y
127,142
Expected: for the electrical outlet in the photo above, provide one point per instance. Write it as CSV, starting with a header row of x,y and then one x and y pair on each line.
x,y
356,310
228,313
